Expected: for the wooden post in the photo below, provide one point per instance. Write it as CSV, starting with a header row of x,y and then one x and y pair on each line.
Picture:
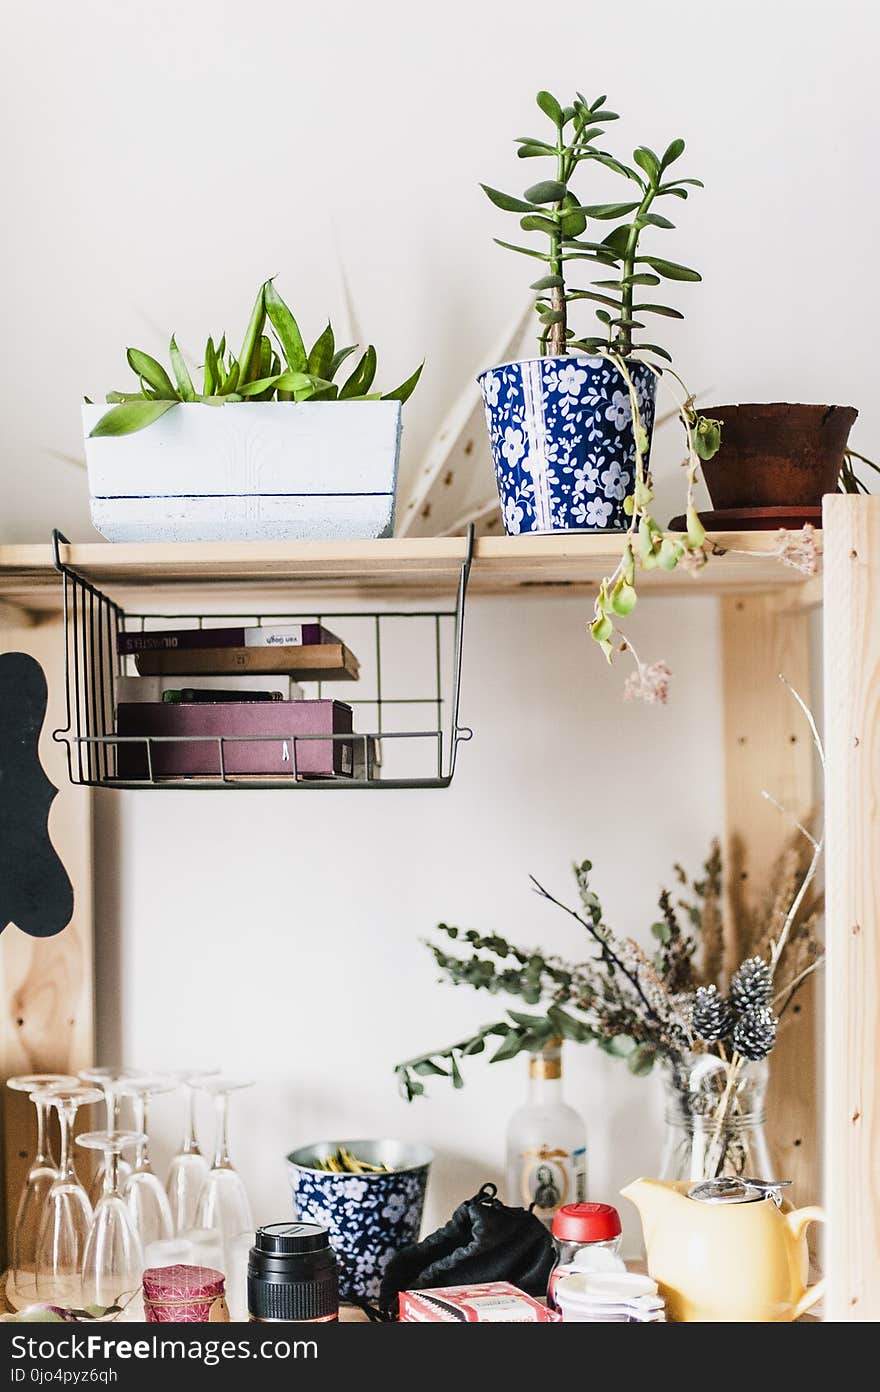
x,y
46,985
852,725
767,746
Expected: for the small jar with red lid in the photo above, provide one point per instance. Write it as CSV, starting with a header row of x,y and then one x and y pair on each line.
x,y
586,1237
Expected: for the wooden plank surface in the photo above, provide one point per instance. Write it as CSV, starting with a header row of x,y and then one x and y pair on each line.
x,y
46,985
767,746
852,732
414,564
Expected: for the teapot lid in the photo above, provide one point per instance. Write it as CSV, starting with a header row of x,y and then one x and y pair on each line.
x,y
726,1191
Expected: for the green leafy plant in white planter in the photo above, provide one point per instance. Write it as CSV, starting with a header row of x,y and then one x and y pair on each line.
x,y
570,429
305,453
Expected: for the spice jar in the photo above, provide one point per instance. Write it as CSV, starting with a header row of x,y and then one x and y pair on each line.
x,y
586,1237
292,1274
184,1295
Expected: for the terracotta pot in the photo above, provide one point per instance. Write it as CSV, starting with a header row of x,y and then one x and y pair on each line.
x,y
774,454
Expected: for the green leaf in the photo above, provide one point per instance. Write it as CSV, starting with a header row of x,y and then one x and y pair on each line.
x,y
610,163
321,356
114,397
286,381
670,554
623,598
706,435
594,295
548,191
647,162
671,270
474,1046
339,358
230,381
286,328
662,932
506,201
328,393
406,389
654,220
185,388
151,372
534,222
361,379
552,316
249,357
618,240
601,629
673,151
573,221
621,1046
457,1079
531,149
665,310
656,349
606,211
426,1068
510,1046
129,417
550,107
548,282
525,251
211,371
695,529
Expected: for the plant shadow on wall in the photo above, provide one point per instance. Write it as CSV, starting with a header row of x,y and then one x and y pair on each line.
x,y
673,1008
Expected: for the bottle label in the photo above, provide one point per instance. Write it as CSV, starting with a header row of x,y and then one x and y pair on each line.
x,y
550,1178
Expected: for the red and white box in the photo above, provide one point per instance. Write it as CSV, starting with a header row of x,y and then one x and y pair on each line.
x,y
495,1302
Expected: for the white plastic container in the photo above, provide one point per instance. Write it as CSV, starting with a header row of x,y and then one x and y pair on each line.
x,y
613,1297
248,471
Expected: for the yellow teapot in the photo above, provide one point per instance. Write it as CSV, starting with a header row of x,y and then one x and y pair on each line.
x,y
726,1250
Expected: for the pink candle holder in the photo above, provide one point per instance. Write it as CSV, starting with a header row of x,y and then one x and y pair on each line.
x,y
184,1295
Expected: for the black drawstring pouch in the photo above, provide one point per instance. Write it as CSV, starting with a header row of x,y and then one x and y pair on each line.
x,y
484,1240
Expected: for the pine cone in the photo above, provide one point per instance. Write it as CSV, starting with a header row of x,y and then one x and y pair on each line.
x,y
713,1017
751,985
754,1033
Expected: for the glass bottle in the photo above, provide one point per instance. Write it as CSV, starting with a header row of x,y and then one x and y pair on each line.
x,y
546,1142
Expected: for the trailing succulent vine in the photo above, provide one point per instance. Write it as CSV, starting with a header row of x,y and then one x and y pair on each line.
x,y
269,367
553,209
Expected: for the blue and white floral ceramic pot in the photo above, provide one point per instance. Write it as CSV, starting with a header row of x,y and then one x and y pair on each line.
x,y
369,1216
562,441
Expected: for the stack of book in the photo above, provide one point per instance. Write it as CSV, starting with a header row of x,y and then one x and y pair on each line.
x,y
225,702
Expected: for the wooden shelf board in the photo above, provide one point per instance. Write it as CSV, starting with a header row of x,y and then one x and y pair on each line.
x,y
412,564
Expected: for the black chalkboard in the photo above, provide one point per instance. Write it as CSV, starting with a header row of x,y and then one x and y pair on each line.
x,y
35,891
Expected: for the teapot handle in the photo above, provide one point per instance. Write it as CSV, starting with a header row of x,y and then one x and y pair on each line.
x,y
798,1221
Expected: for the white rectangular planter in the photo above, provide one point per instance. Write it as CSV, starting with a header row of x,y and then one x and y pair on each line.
x,y
248,471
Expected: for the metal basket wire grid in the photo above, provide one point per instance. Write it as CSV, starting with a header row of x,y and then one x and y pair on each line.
x,y
412,740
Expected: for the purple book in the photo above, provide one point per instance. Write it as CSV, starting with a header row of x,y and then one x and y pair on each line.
x,y
256,636
278,747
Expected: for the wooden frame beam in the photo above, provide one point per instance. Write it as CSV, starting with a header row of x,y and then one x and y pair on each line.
x,y
852,1063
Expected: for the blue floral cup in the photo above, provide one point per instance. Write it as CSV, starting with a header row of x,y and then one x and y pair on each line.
x,y
562,441
369,1216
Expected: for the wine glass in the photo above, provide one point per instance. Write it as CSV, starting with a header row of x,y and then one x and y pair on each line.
x,y
142,1189
223,1203
113,1261
108,1078
35,1190
189,1168
68,1213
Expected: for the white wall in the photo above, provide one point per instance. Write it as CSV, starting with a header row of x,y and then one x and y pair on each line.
x,y
158,163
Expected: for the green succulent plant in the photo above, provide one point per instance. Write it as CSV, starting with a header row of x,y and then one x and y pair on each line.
x,y
551,207
270,366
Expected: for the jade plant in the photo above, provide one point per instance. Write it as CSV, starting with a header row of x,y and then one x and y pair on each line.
x,y
558,213
270,366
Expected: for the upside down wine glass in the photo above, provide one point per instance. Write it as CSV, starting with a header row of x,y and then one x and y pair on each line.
x,y
109,1078
142,1189
113,1261
223,1204
22,1286
68,1212
189,1168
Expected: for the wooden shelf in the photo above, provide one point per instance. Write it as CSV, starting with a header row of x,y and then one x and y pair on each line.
x,y
416,565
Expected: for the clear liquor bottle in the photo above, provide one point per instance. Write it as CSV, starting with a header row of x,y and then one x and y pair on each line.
x,y
546,1142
